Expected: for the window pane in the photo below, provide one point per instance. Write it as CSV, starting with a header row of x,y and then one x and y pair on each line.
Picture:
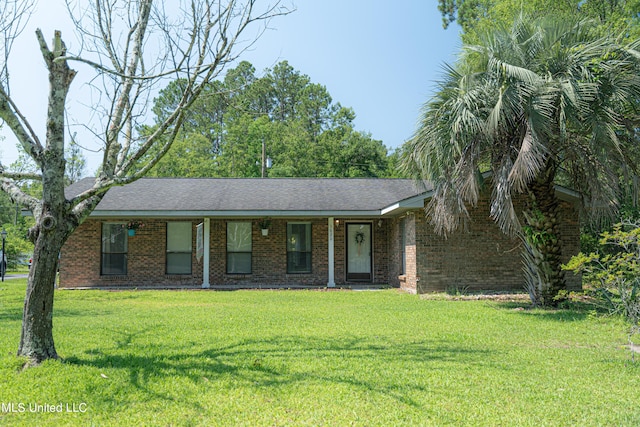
x,y
179,236
114,238
114,264
299,262
114,249
178,263
179,247
298,237
299,248
238,263
238,237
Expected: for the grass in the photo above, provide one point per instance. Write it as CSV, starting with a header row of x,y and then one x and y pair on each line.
x,y
264,358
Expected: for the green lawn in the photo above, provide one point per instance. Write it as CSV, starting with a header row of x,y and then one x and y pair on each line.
x,y
272,358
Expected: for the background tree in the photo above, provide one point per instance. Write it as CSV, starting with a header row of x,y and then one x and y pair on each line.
x,y
542,100
76,162
305,132
477,16
118,39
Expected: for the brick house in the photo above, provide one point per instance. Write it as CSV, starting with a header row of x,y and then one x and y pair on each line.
x,y
208,233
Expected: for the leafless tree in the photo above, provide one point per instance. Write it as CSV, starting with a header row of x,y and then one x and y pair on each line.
x,y
131,47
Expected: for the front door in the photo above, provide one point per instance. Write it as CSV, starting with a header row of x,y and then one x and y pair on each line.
x,y
359,252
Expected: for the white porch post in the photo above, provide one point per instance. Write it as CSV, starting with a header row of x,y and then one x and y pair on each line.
x,y
331,282
205,257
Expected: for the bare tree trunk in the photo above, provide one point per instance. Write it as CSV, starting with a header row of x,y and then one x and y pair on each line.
x,y
36,339
542,235
52,226
196,56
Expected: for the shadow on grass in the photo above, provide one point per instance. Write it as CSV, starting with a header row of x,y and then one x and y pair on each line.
x,y
10,314
280,362
571,312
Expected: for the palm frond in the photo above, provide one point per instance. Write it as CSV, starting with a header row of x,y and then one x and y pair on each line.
x,y
530,161
502,209
544,89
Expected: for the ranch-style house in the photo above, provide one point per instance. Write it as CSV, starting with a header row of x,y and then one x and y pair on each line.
x,y
231,233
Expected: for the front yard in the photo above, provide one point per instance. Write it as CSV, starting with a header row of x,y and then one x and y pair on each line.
x,y
315,358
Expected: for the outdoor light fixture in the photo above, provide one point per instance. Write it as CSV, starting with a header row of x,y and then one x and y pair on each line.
x,y
337,223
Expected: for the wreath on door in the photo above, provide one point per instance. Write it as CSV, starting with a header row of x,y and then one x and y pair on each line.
x,y
359,241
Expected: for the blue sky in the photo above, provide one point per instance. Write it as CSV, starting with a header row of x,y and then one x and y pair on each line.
x,y
378,57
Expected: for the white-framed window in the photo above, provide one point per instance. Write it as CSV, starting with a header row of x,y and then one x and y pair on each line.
x,y
239,247
299,247
179,247
114,249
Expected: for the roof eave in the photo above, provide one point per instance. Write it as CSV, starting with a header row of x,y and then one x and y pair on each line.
x,y
234,214
415,202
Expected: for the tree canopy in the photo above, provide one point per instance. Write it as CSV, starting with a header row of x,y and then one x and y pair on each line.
x,y
476,16
304,132
534,102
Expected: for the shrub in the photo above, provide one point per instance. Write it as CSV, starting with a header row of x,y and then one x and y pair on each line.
x,y
612,273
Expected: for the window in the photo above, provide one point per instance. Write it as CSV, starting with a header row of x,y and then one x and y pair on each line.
x,y
239,248
298,247
179,246
114,249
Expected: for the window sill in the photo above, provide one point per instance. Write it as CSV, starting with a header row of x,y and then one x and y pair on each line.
x,y
114,277
238,276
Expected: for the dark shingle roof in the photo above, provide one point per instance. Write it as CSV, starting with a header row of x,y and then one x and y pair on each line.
x,y
235,195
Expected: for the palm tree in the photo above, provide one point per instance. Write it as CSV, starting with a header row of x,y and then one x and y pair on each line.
x,y
541,101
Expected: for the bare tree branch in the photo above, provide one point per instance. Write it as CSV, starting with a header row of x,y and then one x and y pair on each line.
x,y
19,125
11,188
197,56
14,17
19,175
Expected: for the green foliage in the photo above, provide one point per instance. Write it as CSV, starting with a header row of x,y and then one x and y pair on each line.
x,y
17,245
76,162
476,16
539,101
303,131
317,358
613,273
537,236
16,225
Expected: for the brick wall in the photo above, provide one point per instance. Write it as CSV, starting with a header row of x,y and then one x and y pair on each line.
x,y
146,260
481,257
269,255
397,226
80,257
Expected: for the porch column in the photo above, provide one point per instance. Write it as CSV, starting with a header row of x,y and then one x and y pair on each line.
x,y
205,257
331,282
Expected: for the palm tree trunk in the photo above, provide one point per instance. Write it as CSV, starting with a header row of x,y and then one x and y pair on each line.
x,y
541,235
